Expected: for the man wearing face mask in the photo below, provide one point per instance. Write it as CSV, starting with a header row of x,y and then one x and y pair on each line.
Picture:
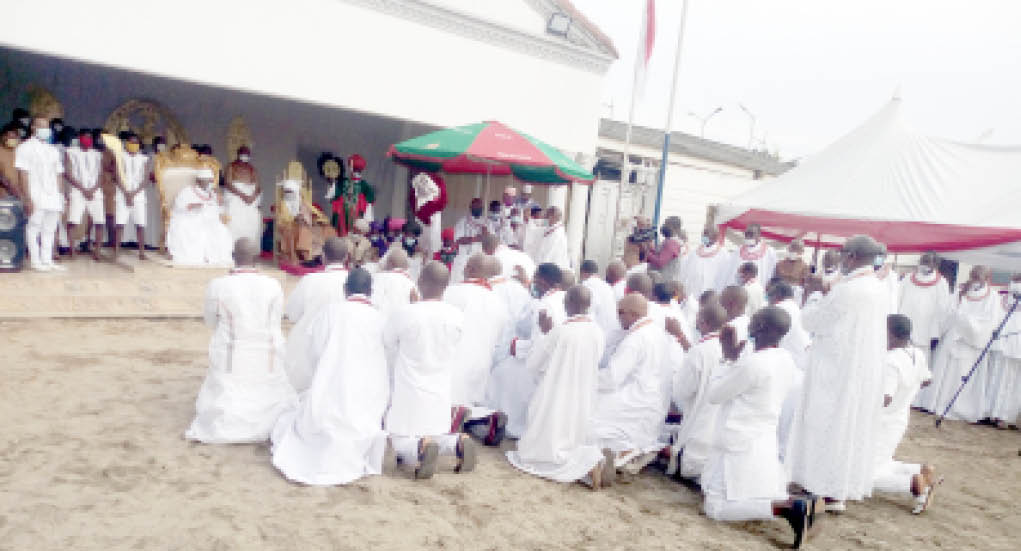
x,y
754,249
39,167
793,269
243,196
668,258
468,237
8,174
926,300
705,267
130,197
86,195
831,451
970,326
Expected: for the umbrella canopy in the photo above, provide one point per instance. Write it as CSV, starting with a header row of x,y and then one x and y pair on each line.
x,y
489,148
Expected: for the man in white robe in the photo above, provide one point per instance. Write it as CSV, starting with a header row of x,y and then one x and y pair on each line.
x,y
517,299
468,237
485,319
196,235
748,277
604,303
423,336
513,262
40,167
313,292
693,442
831,448
1005,398
616,278
393,288
796,341
706,266
754,250
977,314
335,435
904,372
552,246
926,300
511,384
744,479
246,387
130,197
566,364
85,195
734,299
629,411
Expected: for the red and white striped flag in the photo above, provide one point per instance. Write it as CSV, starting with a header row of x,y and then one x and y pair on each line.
x,y
646,40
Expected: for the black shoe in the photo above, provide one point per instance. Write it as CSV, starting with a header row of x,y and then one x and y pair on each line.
x,y
497,429
798,517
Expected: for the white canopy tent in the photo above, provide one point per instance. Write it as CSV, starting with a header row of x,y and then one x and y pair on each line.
x,y
912,192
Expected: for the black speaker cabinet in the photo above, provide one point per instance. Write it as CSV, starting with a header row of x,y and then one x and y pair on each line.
x,y
12,235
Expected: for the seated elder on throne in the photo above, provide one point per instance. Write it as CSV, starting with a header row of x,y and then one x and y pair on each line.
x,y
301,228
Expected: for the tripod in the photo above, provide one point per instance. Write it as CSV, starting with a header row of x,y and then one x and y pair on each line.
x,y
966,378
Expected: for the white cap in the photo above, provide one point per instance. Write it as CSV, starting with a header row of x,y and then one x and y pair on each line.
x,y
527,188
204,174
511,190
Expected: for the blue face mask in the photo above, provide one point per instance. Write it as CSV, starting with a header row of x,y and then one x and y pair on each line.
x,y
706,241
43,134
879,261
535,291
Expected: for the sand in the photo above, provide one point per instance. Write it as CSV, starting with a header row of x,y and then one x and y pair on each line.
x,y
92,457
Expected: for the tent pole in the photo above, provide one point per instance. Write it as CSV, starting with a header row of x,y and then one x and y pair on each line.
x,y
815,255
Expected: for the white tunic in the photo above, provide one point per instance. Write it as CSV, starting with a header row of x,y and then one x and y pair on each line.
x,y
629,409
485,316
756,297
44,165
832,448
335,435
519,314
797,340
751,395
970,327
313,292
245,388
927,302
904,371
762,255
604,304
468,226
552,247
391,290
245,219
423,336
705,269
566,364
1005,396
197,237
511,385
510,258
691,394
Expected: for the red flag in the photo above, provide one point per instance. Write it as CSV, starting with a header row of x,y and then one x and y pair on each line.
x,y
646,41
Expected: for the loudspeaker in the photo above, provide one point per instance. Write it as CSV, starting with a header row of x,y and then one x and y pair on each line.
x,y
12,235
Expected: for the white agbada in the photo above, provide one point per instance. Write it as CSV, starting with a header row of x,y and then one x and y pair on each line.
x,y
1005,398
619,289
629,410
756,297
744,475
198,237
566,364
391,291
313,292
970,327
705,269
904,371
762,255
511,384
691,394
832,448
423,336
335,435
519,309
888,276
245,219
926,300
485,316
511,258
468,226
552,247
245,388
797,340
604,304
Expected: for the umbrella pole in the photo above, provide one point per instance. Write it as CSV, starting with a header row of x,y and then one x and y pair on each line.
x,y
815,254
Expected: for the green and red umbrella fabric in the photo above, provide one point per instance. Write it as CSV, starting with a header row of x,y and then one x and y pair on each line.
x,y
489,148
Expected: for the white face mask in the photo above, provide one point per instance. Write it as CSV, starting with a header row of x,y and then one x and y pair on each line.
x,y
43,134
924,270
1015,287
976,287
244,158
75,143
161,147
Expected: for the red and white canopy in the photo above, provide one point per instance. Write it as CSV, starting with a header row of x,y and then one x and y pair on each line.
x,y
914,193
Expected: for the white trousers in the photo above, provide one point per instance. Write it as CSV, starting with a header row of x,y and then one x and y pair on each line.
x,y
78,206
134,213
895,477
406,447
40,232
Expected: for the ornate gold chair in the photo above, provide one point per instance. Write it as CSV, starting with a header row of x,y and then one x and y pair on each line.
x,y
288,238
174,170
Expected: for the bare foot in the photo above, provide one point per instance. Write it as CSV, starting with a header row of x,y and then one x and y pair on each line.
x,y
596,474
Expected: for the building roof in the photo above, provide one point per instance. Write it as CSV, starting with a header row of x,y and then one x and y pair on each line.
x,y
576,15
694,146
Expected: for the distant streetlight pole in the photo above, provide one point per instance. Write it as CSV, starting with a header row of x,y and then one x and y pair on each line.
x,y
705,120
751,129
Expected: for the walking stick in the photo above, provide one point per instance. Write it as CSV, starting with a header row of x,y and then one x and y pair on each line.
x,y
966,378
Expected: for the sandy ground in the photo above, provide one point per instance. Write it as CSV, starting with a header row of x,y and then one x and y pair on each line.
x,y
92,457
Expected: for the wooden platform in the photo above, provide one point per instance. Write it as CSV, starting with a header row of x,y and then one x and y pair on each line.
x,y
130,288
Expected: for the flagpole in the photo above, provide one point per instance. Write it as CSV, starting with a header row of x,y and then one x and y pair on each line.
x,y
670,116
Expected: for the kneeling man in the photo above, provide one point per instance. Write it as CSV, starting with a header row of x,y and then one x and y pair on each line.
x,y
246,387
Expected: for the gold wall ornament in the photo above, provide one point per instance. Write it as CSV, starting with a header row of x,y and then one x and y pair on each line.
x,y
148,119
42,103
238,135
331,169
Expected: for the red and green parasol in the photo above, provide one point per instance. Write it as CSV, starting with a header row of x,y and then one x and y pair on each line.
x,y
489,148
